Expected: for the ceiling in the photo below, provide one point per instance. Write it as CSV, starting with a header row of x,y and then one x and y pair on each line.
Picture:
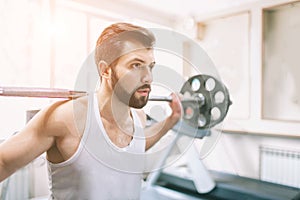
x,y
164,12
189,7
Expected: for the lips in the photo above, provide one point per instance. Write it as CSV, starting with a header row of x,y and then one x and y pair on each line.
x,y
144,90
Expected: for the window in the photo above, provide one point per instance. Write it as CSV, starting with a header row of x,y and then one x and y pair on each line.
x,y
281,63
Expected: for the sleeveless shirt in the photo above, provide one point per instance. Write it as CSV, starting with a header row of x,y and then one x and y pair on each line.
x,y
99,169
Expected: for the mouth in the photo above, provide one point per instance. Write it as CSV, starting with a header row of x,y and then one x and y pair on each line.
x,y
143,92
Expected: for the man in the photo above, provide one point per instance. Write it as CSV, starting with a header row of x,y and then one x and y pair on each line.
x,y
90,141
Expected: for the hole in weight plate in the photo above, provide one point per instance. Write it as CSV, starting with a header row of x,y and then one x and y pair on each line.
x,y
201,120
210,84
215,113
195,84
219,97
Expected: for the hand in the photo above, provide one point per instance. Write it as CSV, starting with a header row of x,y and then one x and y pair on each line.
x,y
176,109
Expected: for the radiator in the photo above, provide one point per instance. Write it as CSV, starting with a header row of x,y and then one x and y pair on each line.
x,y
280,166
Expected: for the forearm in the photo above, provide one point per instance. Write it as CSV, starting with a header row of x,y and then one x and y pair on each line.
x,y
157,131
4,171
10,162
19,150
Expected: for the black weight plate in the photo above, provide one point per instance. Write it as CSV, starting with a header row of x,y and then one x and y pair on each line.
x,y
205,115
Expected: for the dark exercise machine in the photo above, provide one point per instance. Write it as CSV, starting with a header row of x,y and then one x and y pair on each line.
x,y
228,187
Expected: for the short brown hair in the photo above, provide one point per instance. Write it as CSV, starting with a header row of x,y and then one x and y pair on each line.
x,y
110,43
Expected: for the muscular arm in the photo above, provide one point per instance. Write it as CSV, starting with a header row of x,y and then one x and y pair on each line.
x,y
33,140
158,130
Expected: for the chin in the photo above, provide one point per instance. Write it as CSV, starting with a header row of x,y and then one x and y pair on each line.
x,y
137,107
138,103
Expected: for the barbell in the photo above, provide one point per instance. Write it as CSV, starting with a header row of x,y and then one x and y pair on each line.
x,y
205,100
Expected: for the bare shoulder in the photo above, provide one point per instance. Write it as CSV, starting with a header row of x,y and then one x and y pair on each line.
x,y
66,117
51,130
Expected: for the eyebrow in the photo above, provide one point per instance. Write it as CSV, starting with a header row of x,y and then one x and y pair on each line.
x,y
140,60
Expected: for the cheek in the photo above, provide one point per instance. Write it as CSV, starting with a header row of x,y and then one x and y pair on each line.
x,y
129,80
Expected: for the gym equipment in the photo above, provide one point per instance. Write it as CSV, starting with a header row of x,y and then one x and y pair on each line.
x,y
40,92
212,99
205,99
228,187
205,103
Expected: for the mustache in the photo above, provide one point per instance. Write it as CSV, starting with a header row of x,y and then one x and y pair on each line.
x,y
145,86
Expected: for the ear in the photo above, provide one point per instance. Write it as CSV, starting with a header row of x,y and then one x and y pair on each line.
x,y
103,69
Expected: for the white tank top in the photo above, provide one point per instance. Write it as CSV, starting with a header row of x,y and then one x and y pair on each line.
x,y
99,169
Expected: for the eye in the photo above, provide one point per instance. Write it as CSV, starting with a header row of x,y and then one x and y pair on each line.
x,y
136,65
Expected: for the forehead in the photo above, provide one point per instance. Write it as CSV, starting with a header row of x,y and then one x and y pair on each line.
x,y
134,50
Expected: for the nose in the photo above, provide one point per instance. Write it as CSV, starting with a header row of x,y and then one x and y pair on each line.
x,y
146,76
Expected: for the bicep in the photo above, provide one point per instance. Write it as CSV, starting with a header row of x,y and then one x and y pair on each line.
x,y
26,145
34,139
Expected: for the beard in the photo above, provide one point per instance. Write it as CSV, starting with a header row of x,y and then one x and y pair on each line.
x,y
129,98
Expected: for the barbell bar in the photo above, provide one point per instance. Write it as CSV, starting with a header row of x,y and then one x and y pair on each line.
x,y
66,94
40,92
205,99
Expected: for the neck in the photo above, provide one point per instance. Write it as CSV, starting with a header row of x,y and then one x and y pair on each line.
x,y
112,109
